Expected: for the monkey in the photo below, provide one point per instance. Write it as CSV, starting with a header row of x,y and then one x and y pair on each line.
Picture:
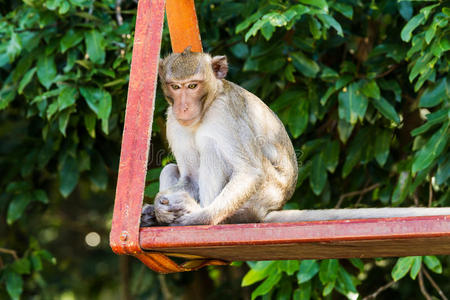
x,y
235,160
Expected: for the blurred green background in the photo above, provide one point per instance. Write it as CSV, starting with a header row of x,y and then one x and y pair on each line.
x,y
362,87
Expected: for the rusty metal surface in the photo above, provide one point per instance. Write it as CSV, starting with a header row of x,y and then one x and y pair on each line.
x,y
394,247
124,237
324,239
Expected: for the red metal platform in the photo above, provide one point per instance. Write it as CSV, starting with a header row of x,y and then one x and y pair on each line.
x,y
215,245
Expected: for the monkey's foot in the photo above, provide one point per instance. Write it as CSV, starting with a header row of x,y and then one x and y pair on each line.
x,y
148,217
199,217
170,206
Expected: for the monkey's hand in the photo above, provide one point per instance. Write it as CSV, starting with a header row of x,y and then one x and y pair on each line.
x,y
148,217
169,206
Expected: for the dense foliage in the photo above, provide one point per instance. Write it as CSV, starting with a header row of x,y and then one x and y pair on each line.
x,y
362,87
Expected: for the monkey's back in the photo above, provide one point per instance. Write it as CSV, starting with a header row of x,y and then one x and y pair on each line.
x,y
278,158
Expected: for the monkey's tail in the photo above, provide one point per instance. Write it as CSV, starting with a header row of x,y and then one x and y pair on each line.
x,y
352,213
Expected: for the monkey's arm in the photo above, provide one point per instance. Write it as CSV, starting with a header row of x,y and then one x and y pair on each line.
x,y
349,213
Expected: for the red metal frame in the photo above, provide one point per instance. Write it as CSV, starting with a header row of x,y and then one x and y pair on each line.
x,y
212,245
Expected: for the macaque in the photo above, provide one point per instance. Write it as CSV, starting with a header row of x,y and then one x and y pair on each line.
x,y
235,161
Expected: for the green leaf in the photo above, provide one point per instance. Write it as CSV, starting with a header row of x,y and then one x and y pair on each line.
x,y
89,123
345,130
330,21
331,155
434,118
319,175
21,266
315,28
402,267
303,292
328,288
344,9
17,206
95,46
382,145
305,65
345,278
70,39
412,24
433,263
267,30
261,270
284,290
357,263
52,109
427,10
14,47
267,285
328,74
289,266
68,176
432,149
386,109
421,66
401,189
63,121
100,102
328,270
26,79
240,50
46,70
41,196
47,256
415,267
14,284
443,171
99,173
151,190
308,269
299,117
434,95
249,21
322,4
354,152
371,89
66,97
352,104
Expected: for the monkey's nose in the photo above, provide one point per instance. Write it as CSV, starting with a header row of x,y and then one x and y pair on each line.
x,y
164,201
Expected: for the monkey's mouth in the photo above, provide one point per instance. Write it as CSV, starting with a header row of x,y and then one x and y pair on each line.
x,y
188,121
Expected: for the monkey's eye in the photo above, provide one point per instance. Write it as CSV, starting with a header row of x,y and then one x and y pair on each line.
x,y
175,87
192,86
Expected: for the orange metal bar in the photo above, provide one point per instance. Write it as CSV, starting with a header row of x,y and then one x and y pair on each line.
x,y
183,25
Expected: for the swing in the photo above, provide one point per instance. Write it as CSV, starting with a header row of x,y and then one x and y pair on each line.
x,y
221,244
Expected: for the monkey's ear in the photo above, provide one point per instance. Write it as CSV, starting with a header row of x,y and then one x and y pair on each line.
x,y
220,66
161,68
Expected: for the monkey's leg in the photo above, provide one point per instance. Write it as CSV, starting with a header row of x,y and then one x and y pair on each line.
x,y
349,213
169,177
176,196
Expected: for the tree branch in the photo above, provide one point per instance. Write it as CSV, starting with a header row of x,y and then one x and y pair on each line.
x,y
356,193
434,284
379,290
422,286
119,17
430,194
11,252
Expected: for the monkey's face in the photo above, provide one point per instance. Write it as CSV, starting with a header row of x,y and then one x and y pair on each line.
x,y
187,79
187,98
